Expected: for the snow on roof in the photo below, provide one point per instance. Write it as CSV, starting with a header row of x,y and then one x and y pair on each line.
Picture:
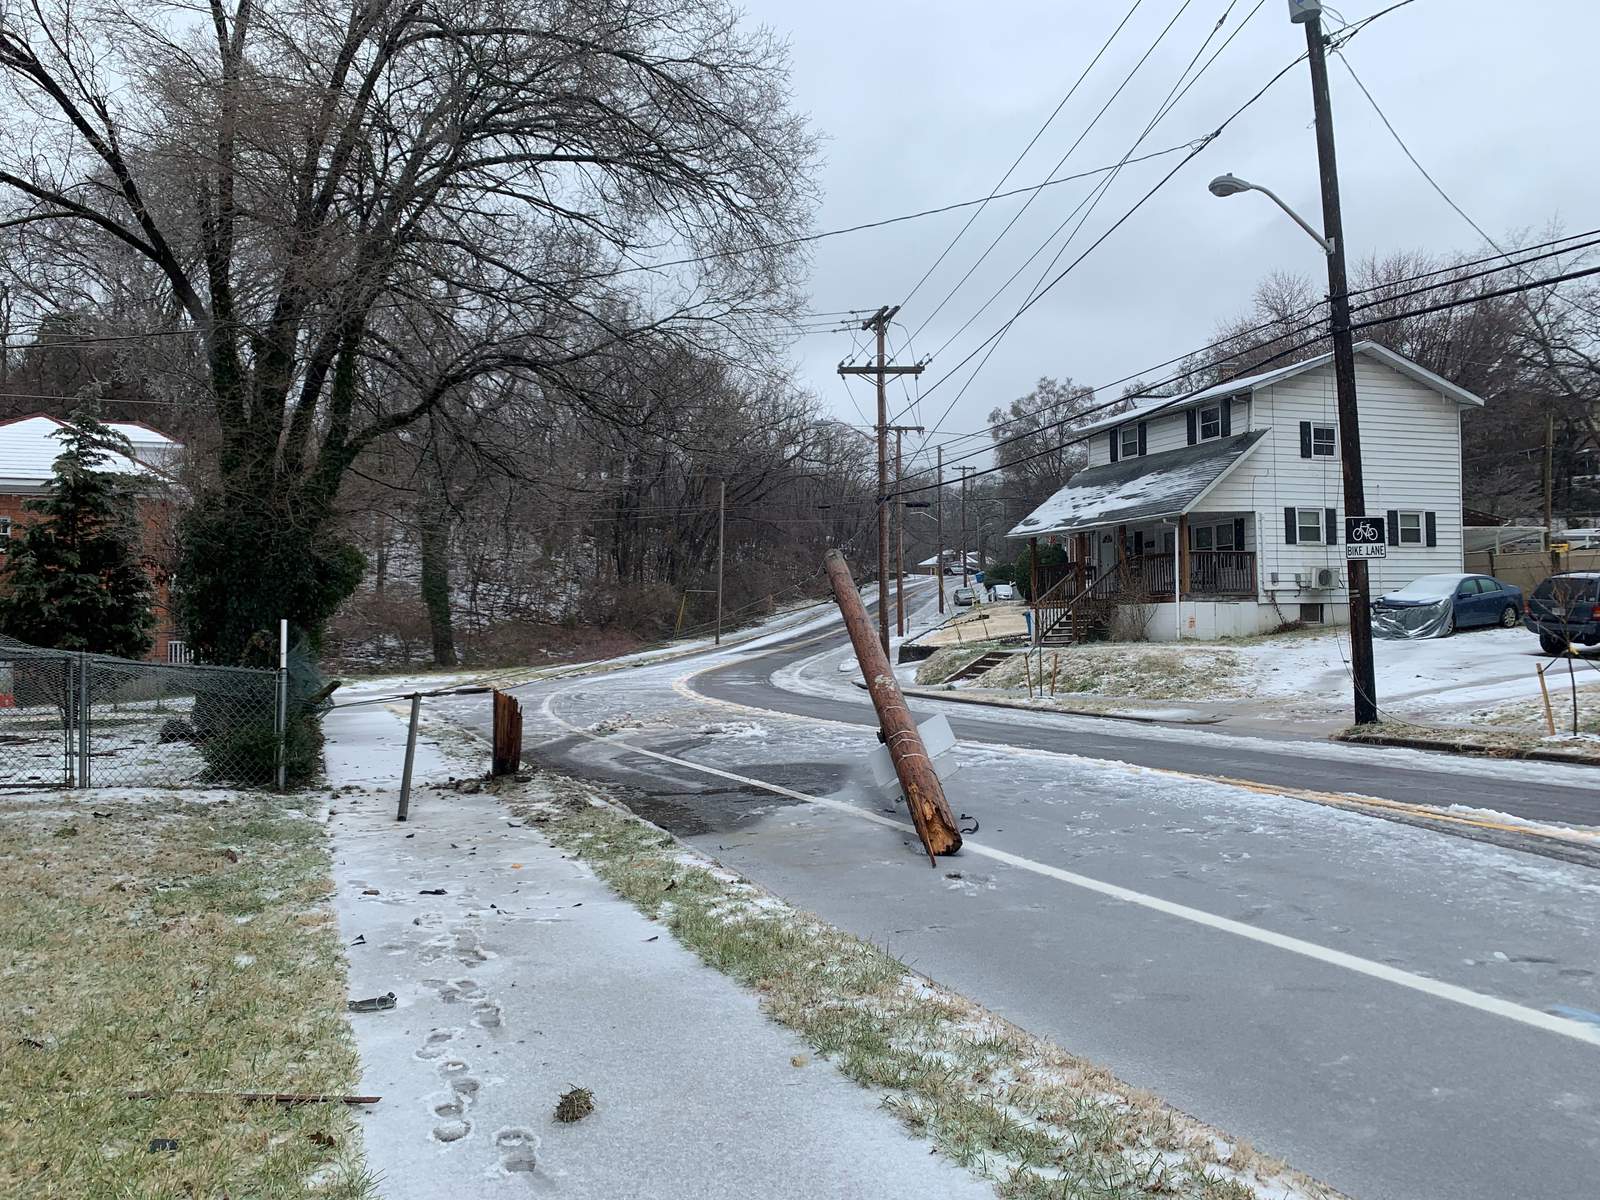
x,y
952,557
139,433
1249,383
29,449
1138,489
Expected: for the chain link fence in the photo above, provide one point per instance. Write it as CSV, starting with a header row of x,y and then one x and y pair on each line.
x,y
70,719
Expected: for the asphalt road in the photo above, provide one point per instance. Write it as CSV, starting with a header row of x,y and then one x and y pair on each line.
x,y
1359,997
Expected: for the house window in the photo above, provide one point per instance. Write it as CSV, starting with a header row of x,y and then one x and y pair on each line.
x,y
1311,614
1130,441
1211,422
1308,525
1201,538
1225,536
1322,441
1410,529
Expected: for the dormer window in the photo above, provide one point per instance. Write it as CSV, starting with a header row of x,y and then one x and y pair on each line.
x,y
1130,441
1211,422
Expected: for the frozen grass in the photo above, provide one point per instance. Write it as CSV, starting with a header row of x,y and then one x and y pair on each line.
x,y
1019,1111
1132,670
942,664
170,943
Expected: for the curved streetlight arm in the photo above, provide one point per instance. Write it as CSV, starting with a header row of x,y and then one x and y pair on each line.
x,y
1325,243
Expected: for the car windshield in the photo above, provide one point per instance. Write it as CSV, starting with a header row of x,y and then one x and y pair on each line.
x,y
1429,587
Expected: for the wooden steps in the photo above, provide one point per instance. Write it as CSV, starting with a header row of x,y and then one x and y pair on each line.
x,y
978,666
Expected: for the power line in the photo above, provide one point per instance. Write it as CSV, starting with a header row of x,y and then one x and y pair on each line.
x,y
1072,91
1459,302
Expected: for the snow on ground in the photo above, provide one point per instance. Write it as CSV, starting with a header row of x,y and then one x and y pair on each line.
x,y
517,975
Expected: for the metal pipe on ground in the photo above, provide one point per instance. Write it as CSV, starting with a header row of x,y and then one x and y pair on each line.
x,y
930,812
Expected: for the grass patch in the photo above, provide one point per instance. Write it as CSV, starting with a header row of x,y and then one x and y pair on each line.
x,y
942,664
1129,670
1038,1122
171,943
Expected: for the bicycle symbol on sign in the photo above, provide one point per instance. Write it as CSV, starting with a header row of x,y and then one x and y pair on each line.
x,y
1364,533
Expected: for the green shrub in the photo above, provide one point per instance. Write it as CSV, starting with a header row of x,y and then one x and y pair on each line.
x,y
247,754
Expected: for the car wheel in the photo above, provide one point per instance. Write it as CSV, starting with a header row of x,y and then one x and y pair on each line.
x,y
1509,618
1552,645
1449,623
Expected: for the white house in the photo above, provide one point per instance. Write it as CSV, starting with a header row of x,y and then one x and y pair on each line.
x,y
1237,491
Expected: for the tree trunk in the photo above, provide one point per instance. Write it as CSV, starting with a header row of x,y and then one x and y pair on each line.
x,y
433,535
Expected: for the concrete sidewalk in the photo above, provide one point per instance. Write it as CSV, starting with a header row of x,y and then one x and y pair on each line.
x,y
528,977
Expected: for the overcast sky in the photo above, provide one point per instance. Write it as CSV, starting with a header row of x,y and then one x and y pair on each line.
x,y
926,104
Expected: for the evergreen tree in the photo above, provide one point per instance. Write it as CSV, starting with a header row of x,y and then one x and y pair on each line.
x,y
75,579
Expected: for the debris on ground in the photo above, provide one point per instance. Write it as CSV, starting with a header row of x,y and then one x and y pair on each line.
x,y
373,1003
575,1105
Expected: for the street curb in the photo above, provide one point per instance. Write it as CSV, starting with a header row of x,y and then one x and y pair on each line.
x,y
1401,742
1024,706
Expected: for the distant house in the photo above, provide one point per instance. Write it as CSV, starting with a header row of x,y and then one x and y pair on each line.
x,y
1237,492
952,564
28,451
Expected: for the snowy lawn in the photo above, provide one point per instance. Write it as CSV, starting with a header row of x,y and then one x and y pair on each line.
x,y
1478,676
176,944
1011,1107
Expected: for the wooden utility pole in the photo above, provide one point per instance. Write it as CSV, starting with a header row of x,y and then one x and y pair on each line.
x,y
930,813
939,521
878,323
722,519
1344,365
965,471
900,531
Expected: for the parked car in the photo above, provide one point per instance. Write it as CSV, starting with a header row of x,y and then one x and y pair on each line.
x,y
1438,605
1564,609
1003,591
965,597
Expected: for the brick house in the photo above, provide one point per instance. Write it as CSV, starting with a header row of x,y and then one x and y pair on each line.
x,y
28,450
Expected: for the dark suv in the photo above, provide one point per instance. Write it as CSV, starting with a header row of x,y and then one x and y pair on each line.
x,y
1565,609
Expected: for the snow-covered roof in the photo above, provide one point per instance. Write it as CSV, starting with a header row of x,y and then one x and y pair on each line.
x,y
29,449
1139,489
952,557
1250,383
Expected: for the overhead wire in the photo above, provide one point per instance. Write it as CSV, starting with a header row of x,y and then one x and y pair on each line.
x,y
1040,132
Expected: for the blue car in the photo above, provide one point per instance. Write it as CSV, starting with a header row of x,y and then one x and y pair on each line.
x,y
1438,605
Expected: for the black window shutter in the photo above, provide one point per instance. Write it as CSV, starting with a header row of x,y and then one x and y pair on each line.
x,y
1192,437
1116,434
1330,520
1432,528
1138,542
1227,417
1305,439
1394,527
1291,534
1238,533
1141,437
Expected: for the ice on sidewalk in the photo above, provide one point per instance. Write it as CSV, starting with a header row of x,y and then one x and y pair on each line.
x,y
528,977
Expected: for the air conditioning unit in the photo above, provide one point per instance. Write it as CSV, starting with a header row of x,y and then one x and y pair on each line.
x,y
1327,577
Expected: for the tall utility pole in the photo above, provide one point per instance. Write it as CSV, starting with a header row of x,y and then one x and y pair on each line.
x,y
722,517
965,471
900,531
879,323
1308,13
939,521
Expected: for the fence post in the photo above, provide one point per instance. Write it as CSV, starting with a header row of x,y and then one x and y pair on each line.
x,y
411,753
281,713
83,720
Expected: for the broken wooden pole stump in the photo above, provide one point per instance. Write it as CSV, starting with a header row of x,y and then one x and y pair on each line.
x,y
924,794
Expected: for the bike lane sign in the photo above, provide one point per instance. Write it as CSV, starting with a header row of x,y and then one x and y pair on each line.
x,y
1363,538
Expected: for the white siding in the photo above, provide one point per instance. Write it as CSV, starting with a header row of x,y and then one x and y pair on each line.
x,y
1165,431
1411,458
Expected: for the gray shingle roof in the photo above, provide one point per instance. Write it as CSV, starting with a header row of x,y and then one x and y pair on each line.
x,y
1138,489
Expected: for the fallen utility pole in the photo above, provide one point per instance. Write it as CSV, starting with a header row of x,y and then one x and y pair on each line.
x,y
918,780
879,323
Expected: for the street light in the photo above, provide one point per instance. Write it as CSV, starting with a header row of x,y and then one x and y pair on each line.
x,y
1232,185
1309,14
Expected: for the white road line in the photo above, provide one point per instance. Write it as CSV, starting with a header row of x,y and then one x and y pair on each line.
x,y
1509,1010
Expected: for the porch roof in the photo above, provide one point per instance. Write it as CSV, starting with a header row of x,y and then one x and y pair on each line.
x,y
1139,489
